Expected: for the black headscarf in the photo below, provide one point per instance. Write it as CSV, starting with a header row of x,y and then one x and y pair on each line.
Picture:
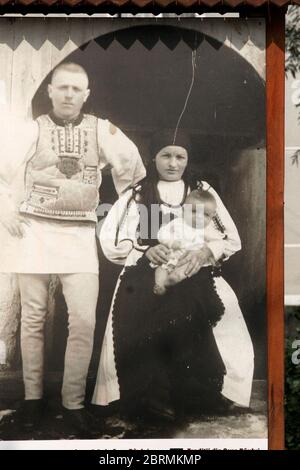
x,y
148,192
167,137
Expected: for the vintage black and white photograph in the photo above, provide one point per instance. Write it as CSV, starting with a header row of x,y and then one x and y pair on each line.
x,y
132,231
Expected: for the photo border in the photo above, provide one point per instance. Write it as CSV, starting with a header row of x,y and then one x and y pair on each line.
x,y
275,85
275,81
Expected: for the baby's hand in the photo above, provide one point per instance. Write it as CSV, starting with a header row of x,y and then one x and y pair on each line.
x,y
176,245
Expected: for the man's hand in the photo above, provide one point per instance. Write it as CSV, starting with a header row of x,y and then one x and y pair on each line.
x,y
194,259
158,254
14,225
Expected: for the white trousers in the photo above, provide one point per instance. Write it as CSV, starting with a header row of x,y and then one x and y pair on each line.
x,y
81,294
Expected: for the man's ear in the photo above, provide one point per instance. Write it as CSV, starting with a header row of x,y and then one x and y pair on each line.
x,y
87,94
50,90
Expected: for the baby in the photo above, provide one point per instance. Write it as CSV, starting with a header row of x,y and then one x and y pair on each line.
x,y
188,232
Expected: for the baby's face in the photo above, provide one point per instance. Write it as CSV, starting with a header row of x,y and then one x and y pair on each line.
x,y
209,211
198,214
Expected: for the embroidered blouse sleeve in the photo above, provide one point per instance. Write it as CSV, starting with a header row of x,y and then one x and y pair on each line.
x,y
120,225
118,151
231,243
18,142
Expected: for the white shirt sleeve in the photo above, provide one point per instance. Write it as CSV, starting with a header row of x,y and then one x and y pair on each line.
x,y
231,243
18,143
118,151
120,224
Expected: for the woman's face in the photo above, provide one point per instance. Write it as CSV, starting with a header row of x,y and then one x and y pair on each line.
x,y
171,162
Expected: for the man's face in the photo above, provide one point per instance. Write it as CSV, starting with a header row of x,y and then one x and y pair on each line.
x,y
68,92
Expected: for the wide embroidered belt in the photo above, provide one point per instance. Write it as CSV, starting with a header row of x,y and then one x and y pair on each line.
x,y
57,202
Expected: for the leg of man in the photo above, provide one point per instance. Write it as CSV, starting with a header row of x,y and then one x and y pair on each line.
x,y
34,298
81,294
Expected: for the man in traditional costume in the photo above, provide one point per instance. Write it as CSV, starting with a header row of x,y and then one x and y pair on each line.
x,y
51,223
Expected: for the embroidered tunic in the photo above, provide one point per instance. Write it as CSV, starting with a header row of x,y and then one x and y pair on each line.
x,y
63,177
58,245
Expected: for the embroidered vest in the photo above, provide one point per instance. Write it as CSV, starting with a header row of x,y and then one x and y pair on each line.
x,y
63,177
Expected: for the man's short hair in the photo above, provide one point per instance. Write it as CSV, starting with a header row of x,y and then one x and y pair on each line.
x,y
69,67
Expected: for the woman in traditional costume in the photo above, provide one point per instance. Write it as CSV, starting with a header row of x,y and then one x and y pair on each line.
x,y
191,346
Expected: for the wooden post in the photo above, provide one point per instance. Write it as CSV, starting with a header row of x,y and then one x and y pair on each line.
x,y
275,20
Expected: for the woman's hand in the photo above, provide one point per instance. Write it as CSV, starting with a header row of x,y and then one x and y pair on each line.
x,y
195,259
158,254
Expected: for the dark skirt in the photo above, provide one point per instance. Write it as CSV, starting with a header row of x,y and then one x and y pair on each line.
x,y
164,345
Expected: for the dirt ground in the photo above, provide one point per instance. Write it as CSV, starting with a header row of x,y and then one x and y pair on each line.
x,y
246,425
